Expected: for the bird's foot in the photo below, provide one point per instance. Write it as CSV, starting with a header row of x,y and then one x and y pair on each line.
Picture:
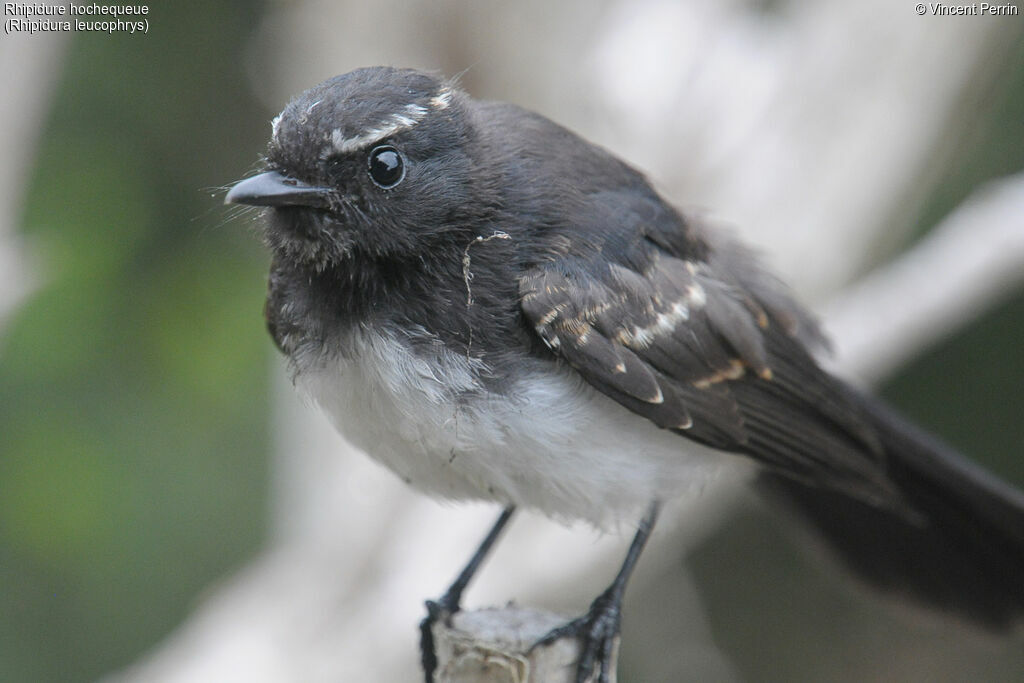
x,y
597,632
437,611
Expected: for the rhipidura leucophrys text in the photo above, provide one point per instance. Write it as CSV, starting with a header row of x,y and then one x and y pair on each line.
x,y
496,309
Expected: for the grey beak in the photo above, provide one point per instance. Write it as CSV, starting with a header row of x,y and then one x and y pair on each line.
x,y
274,189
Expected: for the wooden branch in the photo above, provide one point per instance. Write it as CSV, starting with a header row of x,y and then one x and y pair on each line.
x,y
493,646
969,262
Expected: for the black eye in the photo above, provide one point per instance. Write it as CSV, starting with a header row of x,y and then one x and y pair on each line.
x,y
386,166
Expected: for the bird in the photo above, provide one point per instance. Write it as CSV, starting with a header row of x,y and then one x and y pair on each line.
x,y
497,309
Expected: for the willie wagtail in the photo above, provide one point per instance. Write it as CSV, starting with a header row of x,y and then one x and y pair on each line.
x,y
497,309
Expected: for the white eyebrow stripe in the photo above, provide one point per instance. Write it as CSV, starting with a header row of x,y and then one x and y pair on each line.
x,y
410,115
442,99
273,127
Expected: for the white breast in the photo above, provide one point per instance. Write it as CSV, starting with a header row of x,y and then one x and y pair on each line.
x,y
553,443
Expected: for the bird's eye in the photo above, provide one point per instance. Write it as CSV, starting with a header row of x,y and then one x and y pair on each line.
x,y
386,166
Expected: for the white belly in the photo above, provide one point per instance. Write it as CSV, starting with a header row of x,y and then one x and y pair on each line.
x,y
553,443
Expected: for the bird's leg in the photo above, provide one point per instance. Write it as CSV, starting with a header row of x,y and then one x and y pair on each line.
x,y
598,629
448,604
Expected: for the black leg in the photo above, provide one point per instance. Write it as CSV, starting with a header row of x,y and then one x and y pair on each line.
x,y
598,629
448,603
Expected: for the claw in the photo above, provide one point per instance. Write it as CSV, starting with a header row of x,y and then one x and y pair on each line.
x,y
436,611
598,634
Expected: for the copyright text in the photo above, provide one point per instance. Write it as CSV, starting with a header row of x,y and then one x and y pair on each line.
x,y
974,9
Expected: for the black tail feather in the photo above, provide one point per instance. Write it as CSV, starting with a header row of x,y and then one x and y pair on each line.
x,y
962,551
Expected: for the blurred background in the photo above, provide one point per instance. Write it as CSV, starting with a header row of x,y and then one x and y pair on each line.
x,y
168,511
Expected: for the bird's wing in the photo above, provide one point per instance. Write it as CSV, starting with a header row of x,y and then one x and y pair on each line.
x,y
680,326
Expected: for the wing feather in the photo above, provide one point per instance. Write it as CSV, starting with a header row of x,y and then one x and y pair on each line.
x,y
691,334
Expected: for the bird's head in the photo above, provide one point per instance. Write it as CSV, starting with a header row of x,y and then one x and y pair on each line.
x,y
376,161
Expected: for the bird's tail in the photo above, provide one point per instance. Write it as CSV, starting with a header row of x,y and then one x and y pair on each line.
x,y
961,552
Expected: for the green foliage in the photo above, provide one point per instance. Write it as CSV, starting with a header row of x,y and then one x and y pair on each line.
x,y
133,382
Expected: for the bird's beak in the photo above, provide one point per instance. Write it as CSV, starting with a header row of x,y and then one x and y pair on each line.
x,y
274,189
